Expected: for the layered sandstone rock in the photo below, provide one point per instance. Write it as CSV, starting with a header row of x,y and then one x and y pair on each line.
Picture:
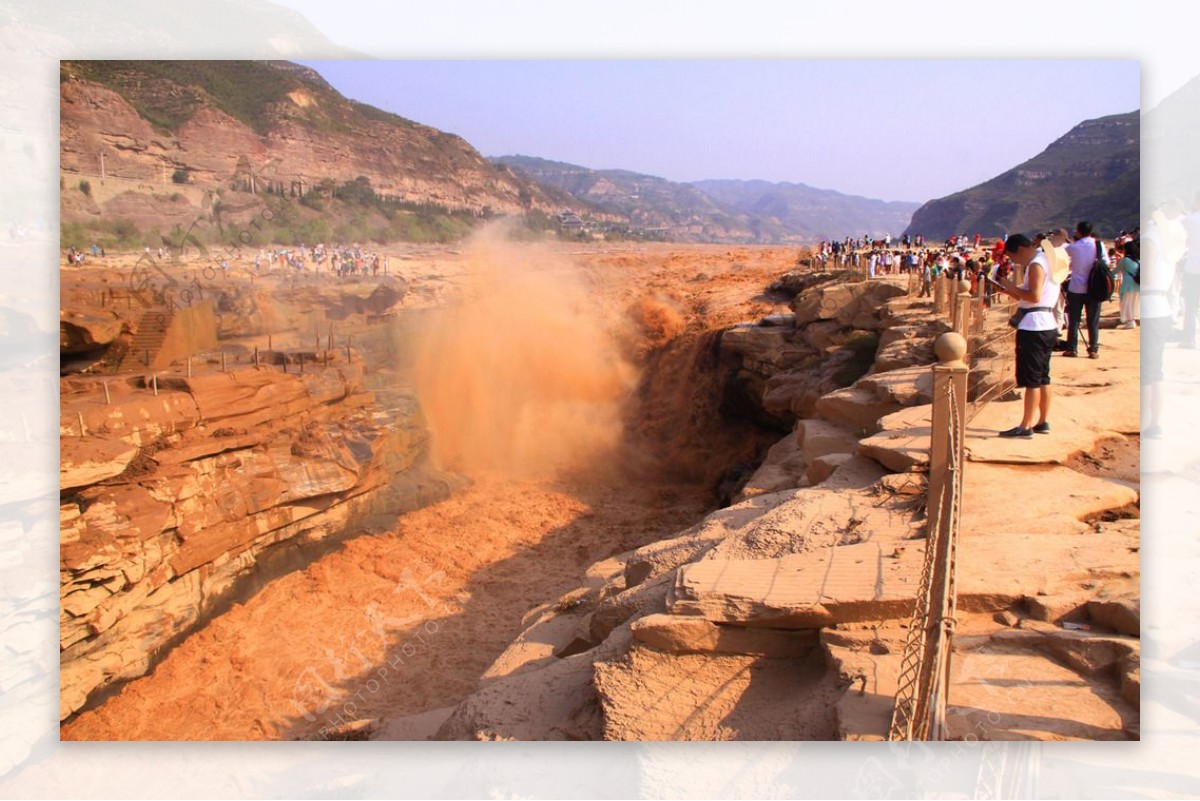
x,y
790,363
172,501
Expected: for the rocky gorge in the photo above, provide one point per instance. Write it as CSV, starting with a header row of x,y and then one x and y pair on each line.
x,y
615,603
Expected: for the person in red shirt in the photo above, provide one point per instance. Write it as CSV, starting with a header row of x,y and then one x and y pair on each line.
x,y
998,251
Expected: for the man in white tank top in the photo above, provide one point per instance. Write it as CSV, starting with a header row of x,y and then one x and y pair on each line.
x,y
1037,332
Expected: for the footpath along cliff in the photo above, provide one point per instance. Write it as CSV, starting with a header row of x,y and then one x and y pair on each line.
x,y
783,615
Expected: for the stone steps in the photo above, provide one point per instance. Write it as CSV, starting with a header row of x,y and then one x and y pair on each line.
x,y
147,340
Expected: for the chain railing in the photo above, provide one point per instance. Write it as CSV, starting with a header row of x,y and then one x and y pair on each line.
x,y
923,687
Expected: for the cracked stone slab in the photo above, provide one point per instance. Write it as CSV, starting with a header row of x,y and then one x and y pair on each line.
x,y
879,580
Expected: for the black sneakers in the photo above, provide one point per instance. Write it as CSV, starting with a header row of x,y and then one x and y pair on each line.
x,y
1017,431
1041,428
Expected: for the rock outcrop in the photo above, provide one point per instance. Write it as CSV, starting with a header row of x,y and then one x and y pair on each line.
x,y
788,363
81,332
174,502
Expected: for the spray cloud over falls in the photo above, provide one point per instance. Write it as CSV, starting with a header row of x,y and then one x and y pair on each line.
x,y
522,375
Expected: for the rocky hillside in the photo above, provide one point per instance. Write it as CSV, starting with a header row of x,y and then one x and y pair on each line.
x,y
146,140
151,147
718,211
1092,172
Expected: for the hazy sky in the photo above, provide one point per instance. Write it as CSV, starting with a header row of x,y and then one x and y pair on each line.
x,y
896,130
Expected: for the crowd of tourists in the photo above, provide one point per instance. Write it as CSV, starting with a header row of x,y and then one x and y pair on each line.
x,y
1155,276
77,256
338,260
1059,279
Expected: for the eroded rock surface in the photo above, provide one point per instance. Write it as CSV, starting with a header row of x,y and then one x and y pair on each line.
x,y
171,500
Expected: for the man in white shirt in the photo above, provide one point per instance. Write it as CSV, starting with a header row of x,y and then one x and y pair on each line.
x,y
1082,253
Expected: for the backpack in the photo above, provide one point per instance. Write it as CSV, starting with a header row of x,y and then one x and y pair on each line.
x,y
1101,280
1137,275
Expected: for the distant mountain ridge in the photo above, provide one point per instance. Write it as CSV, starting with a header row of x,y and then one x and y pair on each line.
x,y
809,211
152,143
675,210
1090,173
718,210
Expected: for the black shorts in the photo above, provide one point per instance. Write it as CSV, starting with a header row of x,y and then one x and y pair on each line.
x,y
1033,357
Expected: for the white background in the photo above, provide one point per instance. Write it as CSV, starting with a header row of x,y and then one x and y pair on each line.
x,y
33,36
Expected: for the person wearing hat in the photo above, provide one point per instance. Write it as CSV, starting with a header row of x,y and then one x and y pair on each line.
x,y
1055,248
1037,332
